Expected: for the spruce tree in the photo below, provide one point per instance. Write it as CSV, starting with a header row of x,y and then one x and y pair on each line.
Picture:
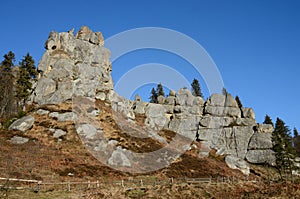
x,y
27,73
268,120
7,96
153,97
160,90
196,90
296,141
224,91
238,101
282,146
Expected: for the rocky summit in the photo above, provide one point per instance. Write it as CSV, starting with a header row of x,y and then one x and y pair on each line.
x,y
79,66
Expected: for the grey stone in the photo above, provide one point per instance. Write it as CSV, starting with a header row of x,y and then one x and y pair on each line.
x,y
155,116
137,98
18,140
184,97
42,112
23,124
261,156
237,163
59,133
87,131
139,107
248,113
265,128
101,96
222,111
198,101
63,117
161,99
216,122
119,158
261,141
222,101
172,93
73,65
170,100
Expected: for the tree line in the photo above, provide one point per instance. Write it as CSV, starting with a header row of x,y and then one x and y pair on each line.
x,y
15,84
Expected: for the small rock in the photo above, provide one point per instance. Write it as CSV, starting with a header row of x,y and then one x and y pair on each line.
x,y
172,93
59,133
237,163
161,99
42,112
101,96
63,117
18,140
22,124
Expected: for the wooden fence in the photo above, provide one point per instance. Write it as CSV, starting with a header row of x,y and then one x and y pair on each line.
x,y
35,185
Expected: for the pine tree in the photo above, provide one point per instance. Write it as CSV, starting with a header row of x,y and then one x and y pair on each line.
x,y
268,120
7,96
196,90
153,97
27,73
282,146
238,101
160,90
8,61
296,141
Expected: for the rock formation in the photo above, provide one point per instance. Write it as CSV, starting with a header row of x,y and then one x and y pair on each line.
x,y
80,66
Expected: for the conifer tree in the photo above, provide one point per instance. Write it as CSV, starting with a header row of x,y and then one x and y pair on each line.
x,y
160,90
27,73
153,97
224,91
238,101
268,120
282,146
296,141
7,97
196,90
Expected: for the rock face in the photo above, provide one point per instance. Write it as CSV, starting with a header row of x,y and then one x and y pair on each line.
x,y
73,65
22,124
80,66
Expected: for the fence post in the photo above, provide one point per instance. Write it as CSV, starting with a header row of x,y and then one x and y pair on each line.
x,y
89,184
122,183
98,184
69,185
141,182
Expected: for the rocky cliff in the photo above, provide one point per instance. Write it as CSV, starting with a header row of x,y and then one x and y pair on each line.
x,y
76,66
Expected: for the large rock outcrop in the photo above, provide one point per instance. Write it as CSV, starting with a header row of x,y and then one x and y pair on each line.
x,y
80,66
73,65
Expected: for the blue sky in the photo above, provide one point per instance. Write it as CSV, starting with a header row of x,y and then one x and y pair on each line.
x,y
254,43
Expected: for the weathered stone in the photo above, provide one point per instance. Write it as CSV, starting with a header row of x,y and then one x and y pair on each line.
x,y
215,122
137,98
238,163
59,133
170,100
222,101
101,96
260,141
18,140
172,93
248,113
161,99
261,156
184,97
63,117
265,128
42,112
198,101
87,131
223,111
185,126
139,107
155,116
73,65
245,122
23,124
119,158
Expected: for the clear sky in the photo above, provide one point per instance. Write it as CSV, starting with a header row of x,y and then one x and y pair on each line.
x,y
254,43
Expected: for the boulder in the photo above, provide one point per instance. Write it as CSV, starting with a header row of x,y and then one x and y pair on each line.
x,y
222,100
222,111
137,98
161,99
23,124
215,122
42,112
184,97
238,163
170,100
155,116
18,140
248,113
265,128
63,117
260,141
119,158
261,156
86,131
